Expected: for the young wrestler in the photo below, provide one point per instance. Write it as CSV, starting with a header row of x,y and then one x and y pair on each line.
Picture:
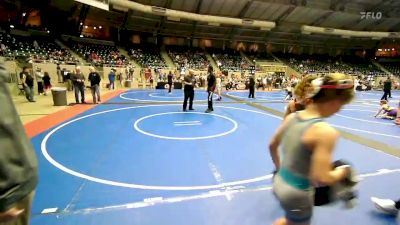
x,y
299,102
388,112
308,144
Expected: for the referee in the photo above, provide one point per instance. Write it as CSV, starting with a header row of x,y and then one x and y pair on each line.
x,y
211,81
188,90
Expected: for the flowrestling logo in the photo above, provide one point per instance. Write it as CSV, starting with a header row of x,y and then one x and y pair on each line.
x,y
371,15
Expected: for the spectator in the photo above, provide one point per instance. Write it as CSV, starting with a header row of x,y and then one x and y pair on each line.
x,y
46,82
111,79
170,77
27,83
67,78
94,79
59,75
18,162
387,87
78,80
39,79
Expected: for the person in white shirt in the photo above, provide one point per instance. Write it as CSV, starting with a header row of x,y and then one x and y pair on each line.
x,y
39,78
219,87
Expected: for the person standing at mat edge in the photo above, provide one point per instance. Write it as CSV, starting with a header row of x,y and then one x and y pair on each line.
x,y
252,85
18,170
387,87
94,79
170,76
27,82
188,90
78,79
307,148
211,83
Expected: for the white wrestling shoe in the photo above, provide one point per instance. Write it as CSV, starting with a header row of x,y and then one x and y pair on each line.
x,y
385,205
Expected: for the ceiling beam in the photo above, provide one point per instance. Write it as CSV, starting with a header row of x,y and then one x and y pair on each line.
x,y
194,23
322,19
285,14
241,14
161,23
245,8
335,3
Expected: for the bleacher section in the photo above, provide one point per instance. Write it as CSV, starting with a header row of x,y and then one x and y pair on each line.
x,y
229,60
325,64
193,58
147,56
34,49
393,67
99,55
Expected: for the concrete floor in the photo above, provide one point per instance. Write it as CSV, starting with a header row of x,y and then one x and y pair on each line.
x,y
43,106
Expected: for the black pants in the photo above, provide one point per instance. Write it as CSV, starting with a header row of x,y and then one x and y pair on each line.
x,y
385,94
169,87
210,100
251,93
189,94
79,89
390,93
40,87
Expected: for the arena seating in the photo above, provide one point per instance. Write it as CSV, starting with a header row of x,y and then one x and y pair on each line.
x,y
393,67
228,60
38,49
147,56
193,58
99,55
325,64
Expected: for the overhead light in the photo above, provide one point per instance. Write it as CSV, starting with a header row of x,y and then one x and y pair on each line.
x,y
23,14
95,28
379,49
81,35
392,49
86,27
81,23
100,27
247,22
48,32
158,10
11,26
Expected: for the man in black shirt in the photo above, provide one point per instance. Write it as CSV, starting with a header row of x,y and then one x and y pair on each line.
x,y
94,79
252,83
387,87
27,82
170,76
188,90
79,84
211,81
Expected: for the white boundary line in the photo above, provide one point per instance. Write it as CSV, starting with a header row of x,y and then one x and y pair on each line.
x,y
148,202
365,131
233,129
155,101
229,93
149,187
368,121
139,186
